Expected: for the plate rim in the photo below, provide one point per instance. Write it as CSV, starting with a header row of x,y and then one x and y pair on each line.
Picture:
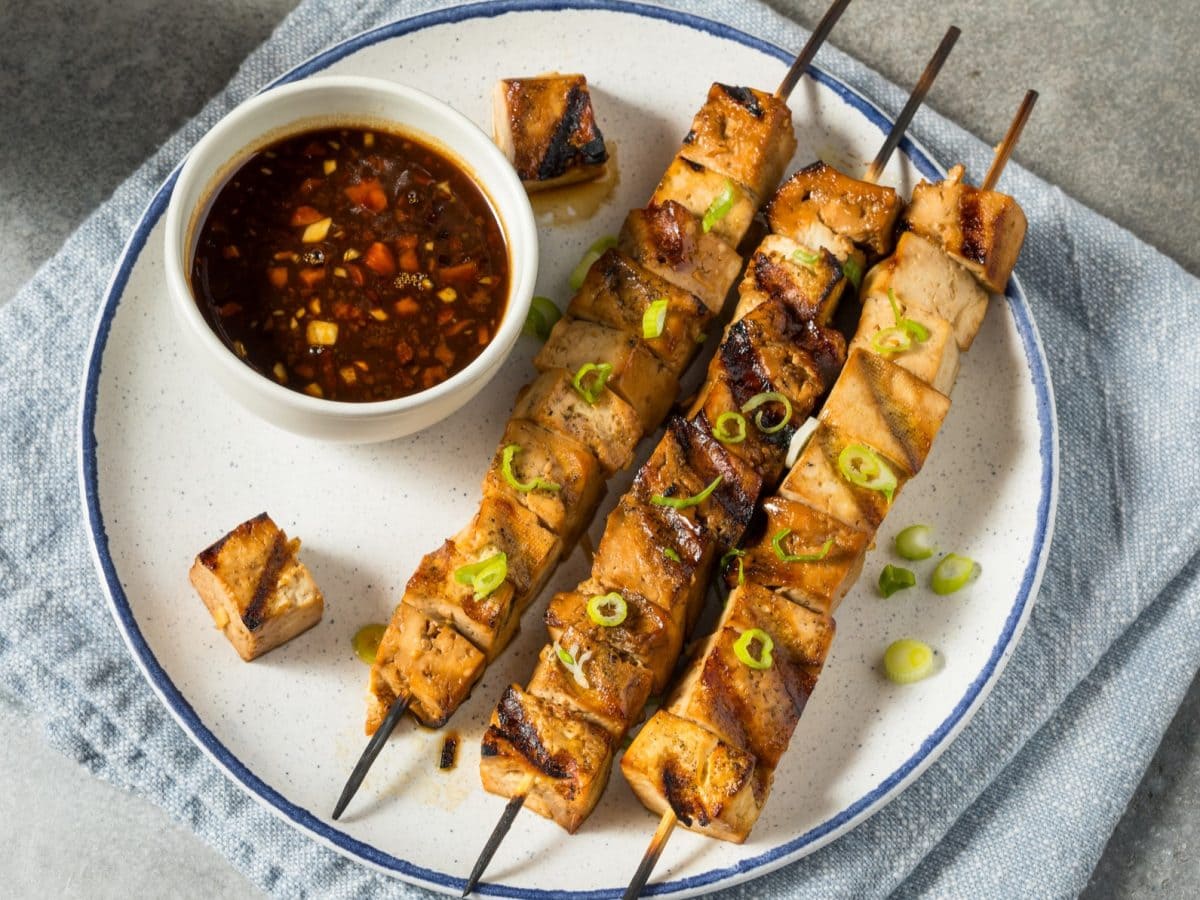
x,y
309,823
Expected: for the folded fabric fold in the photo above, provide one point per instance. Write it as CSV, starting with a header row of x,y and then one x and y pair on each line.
x,y
1020,804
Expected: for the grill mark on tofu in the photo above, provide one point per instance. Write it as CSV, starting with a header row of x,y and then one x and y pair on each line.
x,y
268,579
523,735
209,555
745,98
774,280
675,786
738,491
974,232
560,152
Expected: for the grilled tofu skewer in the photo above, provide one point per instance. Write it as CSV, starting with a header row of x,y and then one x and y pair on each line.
x,y
647,558
607,375
708,757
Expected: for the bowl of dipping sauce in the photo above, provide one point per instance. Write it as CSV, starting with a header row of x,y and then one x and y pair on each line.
x,y
351,258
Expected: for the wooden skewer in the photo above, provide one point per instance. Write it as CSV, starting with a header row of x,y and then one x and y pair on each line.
x,y
378,739
1004,151
815,40
662,834
915,99
498,834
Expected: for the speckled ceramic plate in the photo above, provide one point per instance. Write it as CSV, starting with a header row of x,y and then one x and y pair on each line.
x,y
168,465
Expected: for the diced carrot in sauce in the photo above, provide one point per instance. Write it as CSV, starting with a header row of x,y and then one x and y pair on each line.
x,y
407,242
306,215
409,261
312,276
379,259
369,194
278,276
463,273
355,274
406,306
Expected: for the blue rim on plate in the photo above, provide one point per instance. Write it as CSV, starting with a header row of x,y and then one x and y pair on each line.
x,y
339,840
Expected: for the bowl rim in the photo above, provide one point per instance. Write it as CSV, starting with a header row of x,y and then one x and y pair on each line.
x,y
207,164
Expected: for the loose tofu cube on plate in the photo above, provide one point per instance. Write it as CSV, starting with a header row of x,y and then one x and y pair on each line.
x,y
728,205
547,128
255,588
983,230
743,133
555,756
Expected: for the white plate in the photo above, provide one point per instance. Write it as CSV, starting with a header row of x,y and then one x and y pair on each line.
x,y
168,465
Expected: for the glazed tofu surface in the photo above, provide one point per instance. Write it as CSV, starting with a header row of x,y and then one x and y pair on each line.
x,y
502,525
713,787
863,212
744,134
670,242
559,759
547,128
556,459
934,360
699,189
755,710
617,292
638,376
922,277
982,230
255,588
783,270
609,428
887,408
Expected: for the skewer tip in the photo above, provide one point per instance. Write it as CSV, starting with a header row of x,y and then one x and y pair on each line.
x,y
374,745
1006,146
493,842
815,40
666,825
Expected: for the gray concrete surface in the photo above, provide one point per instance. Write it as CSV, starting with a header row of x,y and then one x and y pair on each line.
x,y
89,88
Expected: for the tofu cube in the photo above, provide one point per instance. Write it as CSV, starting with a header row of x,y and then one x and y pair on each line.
x,y
778,270
547,128
982,230
934,360
744,134
700,189
255,588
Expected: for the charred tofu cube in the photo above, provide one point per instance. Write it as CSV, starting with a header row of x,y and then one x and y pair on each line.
x,y
547,751
427,660
755,709
933,360
743,134
670,242
808,283
728,206
657,552
504,526
637,376
599,683
713,787
983,230
255,588
817,480
816,235
609,428
922,278
547,128
648,634
687,462
617,292
487,621
555,459
887,408
863,212
811,557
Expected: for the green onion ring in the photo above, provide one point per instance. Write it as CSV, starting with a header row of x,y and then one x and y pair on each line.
x,y
597,604
541,318
726,434
784,556
654,319
915,542
862,466
734,554
895,578
892,340
953,573
720,206
484,576
506,461
769,397
685,502
803,256
599,380
741,648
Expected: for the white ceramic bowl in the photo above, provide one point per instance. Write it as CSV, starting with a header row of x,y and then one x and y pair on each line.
x,y
341,101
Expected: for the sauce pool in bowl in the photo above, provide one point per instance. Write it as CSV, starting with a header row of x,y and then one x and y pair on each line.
x,y
352,264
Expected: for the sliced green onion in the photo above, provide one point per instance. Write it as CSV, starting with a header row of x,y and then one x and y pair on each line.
x,y
895,578
731,555
908,660
594,252
672,554
769,397
784,556
803,256
853,271
891,340
861,465
484,576
654,319
599,373
915,542
730,428
720,206
914,329
685,502
539,483
366,642
741,648
573,662
597,606
953,573
541,318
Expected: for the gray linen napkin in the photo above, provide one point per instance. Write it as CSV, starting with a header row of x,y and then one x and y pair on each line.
x,y
1023,801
